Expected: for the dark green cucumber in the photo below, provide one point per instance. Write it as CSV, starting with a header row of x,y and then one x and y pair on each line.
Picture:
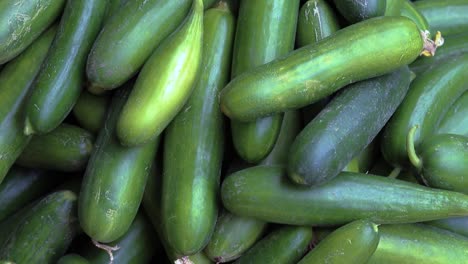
x,y
364,161
23,22
351,243
194,144
455,121
284,245
265,31
430,96
90,111
345,127
266,194
446,16
15,80
364,50
21,186
114,180
418,243
45,232
112,7
165,82
66,148
72,259
457,225
129,37
59,83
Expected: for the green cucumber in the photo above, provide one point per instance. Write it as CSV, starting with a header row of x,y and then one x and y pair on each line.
x,y
115,179
72,259
323,148
45,232
23,22
430,96
284,245
446,16
129,37
90,111
195,138
15,80
409,10
364,161
351,243
455,121
418,243
364,50
59,83
165,82
266,194
457,225
265,31
66,148
112,7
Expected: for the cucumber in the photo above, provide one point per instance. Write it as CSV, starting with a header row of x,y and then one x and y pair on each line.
x,y
129,37
430,96
306,75
457,225
90,111
72,259
15,81
447,16
112,7
418,243
284,245
23,22
364,161
114,181
45,232
193,157
351,243
266,194
345,127
455,121
66,148
162,87
265,30
58,85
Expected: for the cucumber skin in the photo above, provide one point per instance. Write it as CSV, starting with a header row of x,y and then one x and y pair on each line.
x,y
15,80
455,121
457,225
195,138
113,185
361,236
355,12
141,25
162,88
348,197
313,72
448,17
90,111
72,259
430,96
15,39
323,149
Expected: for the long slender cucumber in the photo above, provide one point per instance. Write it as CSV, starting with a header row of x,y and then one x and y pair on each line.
x,y
457,225
455,121
447,16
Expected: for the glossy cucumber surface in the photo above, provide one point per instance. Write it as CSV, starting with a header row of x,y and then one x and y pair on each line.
x,y
455,121
90,111
446,16
457,225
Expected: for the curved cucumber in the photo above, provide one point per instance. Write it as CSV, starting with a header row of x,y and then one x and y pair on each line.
x,y
351,243
72,259
446,16
379,46
114,181
266,194
165,82
129,37
193,145
430,96
90,111
418,243
285,245
60,81
23,22
15,81
66,148
265,31
457,225
455,121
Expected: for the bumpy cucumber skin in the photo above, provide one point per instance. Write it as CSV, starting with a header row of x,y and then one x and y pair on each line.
x,y
15,81
313,72
23,22
430,96
351,243
346,198
90,111
457,225
129,37
455,121
60,81
72,259
114,181
446,16
165,82
66,148
45,232
323,148
285,245
418,243
195,138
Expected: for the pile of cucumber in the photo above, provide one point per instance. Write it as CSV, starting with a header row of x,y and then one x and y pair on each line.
x,y
241,131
